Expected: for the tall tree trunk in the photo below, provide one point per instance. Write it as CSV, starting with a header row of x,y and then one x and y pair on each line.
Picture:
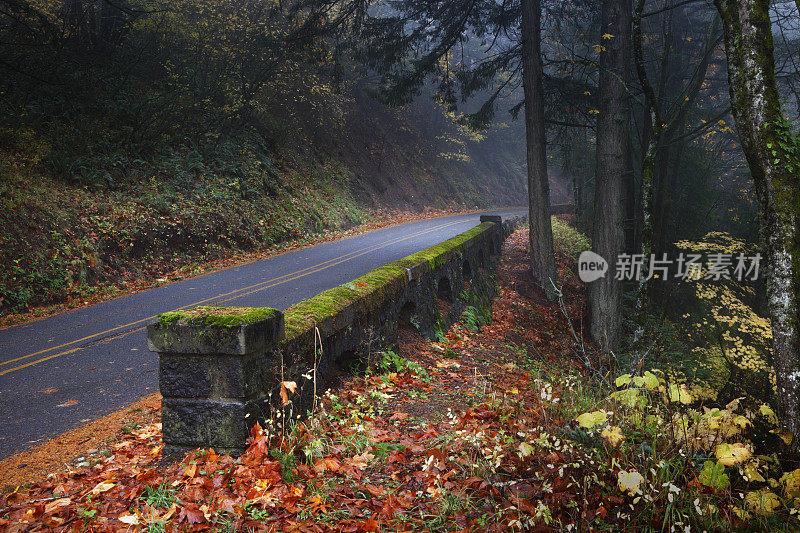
x,y
543,265
631,226
613,123
772,155
648,161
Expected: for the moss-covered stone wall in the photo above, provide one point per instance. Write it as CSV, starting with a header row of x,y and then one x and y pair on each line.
x,y
220,369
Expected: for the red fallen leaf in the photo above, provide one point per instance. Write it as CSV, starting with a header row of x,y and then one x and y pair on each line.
x,y
396,457
399,416
327,463
370,525
374,490
305,526
393,505
190,471
68,403
601,512
227,504
194,493
191,514
56,505
472,481
290,386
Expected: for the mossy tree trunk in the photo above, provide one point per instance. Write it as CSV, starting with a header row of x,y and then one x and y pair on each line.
x,y
773,155
648,162
543,264
613,124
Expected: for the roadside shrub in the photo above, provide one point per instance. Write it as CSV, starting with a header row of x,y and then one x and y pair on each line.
x,y
568,241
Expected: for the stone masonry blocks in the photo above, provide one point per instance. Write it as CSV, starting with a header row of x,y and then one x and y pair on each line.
x,y
216,380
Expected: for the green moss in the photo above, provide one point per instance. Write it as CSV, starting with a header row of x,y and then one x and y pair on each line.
x,y
216,316
367,289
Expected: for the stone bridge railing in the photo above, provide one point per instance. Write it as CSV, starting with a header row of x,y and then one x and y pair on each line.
x,y
220,369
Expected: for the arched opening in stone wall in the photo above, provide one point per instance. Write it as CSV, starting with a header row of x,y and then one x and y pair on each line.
x,y
444,297
408,334
349,361
407,318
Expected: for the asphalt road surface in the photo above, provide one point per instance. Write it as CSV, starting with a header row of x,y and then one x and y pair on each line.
x,y
59,372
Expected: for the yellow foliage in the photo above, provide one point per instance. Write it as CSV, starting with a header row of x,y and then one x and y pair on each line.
x,y
702,431
732,454
613,436
629,482
791,483
767,411
590,420
762,502
749,471
680,393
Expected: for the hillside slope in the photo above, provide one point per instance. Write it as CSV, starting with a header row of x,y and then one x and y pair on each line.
x,y
104,223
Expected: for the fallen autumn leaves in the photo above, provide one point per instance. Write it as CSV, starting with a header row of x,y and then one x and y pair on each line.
x,y
465,434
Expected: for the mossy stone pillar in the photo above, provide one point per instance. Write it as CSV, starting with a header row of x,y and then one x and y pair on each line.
x,y
209,359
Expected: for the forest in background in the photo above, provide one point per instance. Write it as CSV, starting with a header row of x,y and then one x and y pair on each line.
x,y
139,137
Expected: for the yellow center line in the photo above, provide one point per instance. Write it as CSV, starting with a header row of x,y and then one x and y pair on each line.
x,y
269,283
326,266
207,299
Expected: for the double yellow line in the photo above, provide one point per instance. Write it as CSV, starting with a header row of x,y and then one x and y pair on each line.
x,y
251,289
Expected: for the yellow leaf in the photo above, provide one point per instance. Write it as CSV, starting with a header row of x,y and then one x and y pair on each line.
x,y
594,112
734,405
741,421
741,513
750,472
629,481
607,36
103,486
680,393
590,420
613,436
650,380
763,502
629,397
732,454
622,380
791,483
767,411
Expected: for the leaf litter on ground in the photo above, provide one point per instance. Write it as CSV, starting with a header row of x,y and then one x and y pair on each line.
x,y
477,438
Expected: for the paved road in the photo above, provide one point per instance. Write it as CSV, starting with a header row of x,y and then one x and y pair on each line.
x,y
59,372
